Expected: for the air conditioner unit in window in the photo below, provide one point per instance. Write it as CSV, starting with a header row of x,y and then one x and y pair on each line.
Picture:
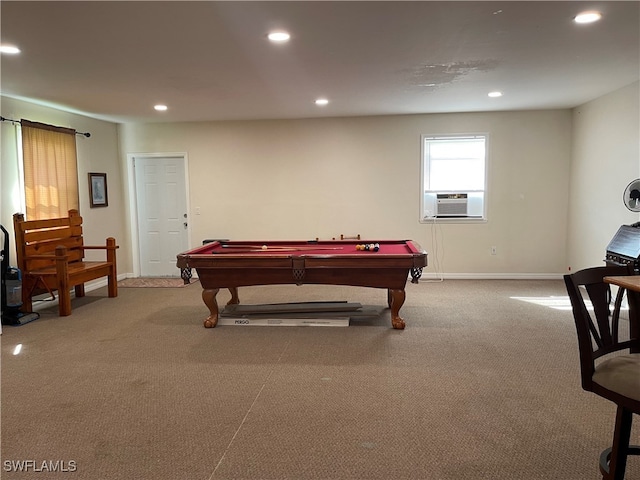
x,y
451,205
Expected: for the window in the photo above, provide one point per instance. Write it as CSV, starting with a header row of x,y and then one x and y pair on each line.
x,y
453,177
49,169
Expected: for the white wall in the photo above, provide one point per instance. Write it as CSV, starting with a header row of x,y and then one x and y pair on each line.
x,y
606,157
555,180
301,179
99,153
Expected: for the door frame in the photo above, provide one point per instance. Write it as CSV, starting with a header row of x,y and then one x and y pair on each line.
x,y
133,204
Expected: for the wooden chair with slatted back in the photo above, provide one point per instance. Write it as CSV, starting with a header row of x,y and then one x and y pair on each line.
x,y
50,254
609,367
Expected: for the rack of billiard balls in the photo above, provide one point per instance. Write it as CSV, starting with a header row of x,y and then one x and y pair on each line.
x,y
369,247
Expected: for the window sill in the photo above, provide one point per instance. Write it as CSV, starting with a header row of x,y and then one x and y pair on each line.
x,y
453,220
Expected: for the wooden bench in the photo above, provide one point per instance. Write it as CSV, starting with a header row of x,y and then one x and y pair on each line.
x,y
50,254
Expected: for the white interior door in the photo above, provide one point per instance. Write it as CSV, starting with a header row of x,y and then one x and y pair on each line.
x,y
161,201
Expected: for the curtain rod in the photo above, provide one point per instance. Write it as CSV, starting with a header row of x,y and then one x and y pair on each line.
x,y
3,119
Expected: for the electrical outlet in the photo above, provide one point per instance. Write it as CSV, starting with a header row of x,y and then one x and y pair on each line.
x,y
494,251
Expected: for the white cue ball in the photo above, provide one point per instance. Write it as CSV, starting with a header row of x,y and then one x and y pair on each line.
x,y
264,247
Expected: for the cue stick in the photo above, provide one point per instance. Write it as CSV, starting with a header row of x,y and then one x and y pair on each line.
x,y
259,247
254,248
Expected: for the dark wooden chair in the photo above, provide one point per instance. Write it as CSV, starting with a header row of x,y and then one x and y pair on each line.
x,y
608,366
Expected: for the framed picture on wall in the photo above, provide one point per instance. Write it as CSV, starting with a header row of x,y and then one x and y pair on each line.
x,y
98,190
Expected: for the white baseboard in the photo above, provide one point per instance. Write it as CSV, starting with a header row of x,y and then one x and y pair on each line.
x,y
491,276
426,277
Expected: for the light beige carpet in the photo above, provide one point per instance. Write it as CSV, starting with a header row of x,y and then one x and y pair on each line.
x,y
483,384
145,282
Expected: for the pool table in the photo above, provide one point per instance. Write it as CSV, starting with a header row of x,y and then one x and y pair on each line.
x,y
233,264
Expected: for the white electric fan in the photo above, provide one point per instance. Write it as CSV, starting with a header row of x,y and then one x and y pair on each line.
x,y
631,197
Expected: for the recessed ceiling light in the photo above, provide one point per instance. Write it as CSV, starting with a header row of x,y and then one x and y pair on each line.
x,y
279,37
10,49
587,17
495,94
322,102
160,108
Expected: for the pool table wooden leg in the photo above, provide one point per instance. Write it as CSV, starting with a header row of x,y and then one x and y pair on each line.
x,y
209,298
235,300
396,300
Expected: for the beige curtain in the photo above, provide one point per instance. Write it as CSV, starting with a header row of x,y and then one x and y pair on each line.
x,y
50,170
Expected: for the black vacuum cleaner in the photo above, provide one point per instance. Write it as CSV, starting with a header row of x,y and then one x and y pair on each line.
x,y
12,290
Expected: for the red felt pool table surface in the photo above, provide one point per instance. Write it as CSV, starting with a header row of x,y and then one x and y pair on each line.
x,y
232,264
307,248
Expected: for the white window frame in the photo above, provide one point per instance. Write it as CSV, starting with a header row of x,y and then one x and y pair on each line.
x,y
428,197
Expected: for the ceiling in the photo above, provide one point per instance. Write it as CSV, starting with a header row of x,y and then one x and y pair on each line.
x,y
210,60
